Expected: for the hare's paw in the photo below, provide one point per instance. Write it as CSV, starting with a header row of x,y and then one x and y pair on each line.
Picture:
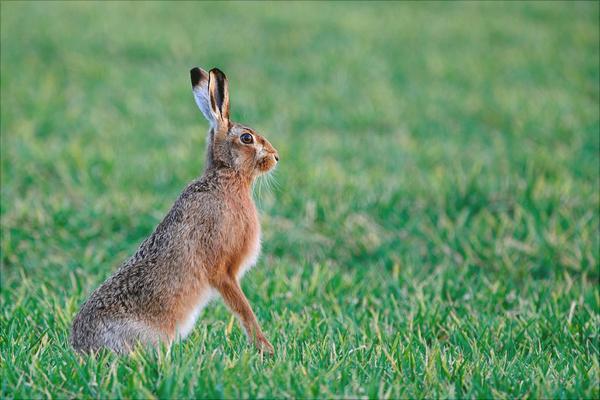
x,y
263,345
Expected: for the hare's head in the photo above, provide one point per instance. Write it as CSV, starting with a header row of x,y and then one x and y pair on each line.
x,y
231,145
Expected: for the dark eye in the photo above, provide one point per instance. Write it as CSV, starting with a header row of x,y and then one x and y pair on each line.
x,y
246,138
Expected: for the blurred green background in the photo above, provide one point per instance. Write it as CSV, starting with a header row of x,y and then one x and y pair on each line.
x,y
433,226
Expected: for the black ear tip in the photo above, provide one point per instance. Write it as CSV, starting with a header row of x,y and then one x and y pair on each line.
x,y
217,72
195,75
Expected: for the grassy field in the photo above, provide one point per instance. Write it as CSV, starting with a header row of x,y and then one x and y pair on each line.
x,y
433,231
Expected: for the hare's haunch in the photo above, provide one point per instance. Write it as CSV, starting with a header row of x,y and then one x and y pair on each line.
x,y
209,238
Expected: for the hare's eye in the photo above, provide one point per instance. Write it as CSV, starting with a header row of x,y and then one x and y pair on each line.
x,y
246,138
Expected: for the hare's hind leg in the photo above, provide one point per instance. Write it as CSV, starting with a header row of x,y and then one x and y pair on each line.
x,y
236,300
122,336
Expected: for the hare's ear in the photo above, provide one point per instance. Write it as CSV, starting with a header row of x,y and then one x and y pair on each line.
x,y
200,89
218,93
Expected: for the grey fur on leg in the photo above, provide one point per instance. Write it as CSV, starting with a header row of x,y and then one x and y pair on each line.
x,y
120,336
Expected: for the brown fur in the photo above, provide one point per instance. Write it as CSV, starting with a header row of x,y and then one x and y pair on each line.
x,y
209,234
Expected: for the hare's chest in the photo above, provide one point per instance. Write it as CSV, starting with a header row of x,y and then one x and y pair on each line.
x,y
247,239
250,256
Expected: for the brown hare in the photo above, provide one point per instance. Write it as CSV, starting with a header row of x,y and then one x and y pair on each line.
x,y
205,244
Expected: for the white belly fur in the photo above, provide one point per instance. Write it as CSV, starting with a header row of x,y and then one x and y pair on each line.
x,y
185,327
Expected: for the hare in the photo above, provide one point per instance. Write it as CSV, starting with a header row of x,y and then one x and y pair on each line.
x,y
205,244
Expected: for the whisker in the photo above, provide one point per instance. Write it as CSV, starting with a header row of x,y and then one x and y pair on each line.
x,y
266,182
274,182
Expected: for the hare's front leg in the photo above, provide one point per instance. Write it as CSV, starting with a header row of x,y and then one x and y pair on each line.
x,y
234,297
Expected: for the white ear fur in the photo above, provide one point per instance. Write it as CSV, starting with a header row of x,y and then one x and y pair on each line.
x,y
200,90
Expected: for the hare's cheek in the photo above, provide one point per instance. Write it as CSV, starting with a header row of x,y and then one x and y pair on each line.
x,y
260,165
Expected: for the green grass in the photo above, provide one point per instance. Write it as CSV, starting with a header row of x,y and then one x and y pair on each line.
x,y
433,232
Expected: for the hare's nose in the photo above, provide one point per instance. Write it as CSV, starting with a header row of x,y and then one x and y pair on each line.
x,y
276,157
